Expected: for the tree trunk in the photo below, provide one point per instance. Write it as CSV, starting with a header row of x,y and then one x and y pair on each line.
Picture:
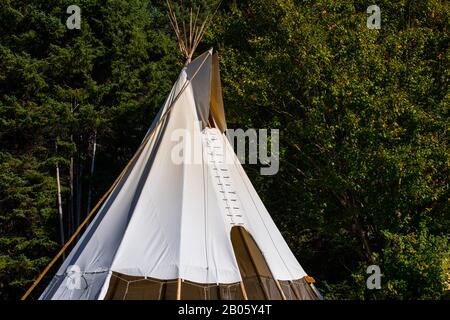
x,y
71,200
60,211
94,149
78,191
365,241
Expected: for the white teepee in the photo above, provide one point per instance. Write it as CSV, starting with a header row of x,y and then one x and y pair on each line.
x,y
190,230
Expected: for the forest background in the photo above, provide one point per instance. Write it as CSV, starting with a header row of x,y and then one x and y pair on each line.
x,y
363,117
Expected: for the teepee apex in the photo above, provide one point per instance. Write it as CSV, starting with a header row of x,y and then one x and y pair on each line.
x,y
189,25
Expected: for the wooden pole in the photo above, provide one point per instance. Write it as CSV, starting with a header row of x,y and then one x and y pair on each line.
x,y
244,292
283,296
188,39
297,294
179,289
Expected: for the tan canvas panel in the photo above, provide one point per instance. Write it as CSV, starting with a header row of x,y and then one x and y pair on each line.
x,y
298,290
256,276
123,287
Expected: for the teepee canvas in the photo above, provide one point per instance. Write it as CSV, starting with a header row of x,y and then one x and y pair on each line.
x,y
191,229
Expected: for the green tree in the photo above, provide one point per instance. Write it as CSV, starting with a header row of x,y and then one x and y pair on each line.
x,y
59,87
363,118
